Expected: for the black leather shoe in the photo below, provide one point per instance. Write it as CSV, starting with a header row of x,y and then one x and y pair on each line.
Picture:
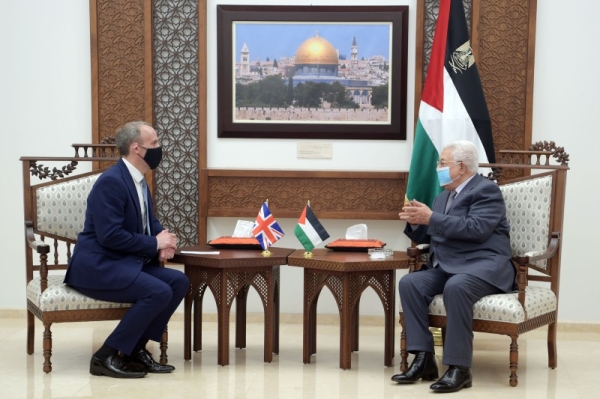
x,y
113,366
142,360
423,366
455,379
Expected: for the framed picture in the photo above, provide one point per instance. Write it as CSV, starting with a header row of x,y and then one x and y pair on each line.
x,y
312,72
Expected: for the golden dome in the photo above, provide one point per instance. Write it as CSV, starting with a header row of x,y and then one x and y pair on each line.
x,y
316,50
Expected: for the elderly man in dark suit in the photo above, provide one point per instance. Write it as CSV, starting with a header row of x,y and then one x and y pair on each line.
x,y
469,258
117,257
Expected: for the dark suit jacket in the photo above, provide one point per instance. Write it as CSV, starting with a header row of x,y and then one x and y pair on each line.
x,y
112,247
473,237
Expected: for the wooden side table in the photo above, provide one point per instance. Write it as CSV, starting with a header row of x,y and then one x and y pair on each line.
x,y
347,275
229,276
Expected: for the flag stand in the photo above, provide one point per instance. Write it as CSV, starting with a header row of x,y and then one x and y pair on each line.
x,y
307,254
266,253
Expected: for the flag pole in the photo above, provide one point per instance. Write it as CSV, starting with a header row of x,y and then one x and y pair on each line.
x,y
307,254
266,253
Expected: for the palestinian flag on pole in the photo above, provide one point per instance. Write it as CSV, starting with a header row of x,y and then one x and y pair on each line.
x,y
452,105
309,230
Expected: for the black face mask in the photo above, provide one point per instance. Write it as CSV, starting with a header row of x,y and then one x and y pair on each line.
x,y
153,156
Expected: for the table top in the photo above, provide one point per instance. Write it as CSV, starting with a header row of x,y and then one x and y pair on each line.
x,y
325,259
230,258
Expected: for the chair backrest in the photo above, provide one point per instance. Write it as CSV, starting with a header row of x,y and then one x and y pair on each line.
x,y
60,206
528,205
54,210
535,205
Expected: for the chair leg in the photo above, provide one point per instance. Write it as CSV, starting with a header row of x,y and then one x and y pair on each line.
x,y
403,352
514,360
164,344
552,345
47,347
30,332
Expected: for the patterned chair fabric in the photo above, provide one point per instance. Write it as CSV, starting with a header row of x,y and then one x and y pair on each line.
x,y
505,307
59,296
61,207
528,213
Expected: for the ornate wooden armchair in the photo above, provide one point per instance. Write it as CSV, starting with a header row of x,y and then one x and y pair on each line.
x,y
534,192
54,215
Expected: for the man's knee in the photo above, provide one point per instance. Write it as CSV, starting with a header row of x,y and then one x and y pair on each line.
x,y
406,283
454,287
459,291
162,293
182,283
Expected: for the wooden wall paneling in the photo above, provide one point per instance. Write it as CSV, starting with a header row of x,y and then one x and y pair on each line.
x,y
121,60
332,194
121,44
202,124
506,56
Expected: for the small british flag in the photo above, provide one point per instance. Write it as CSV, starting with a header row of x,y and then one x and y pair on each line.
x,y
266,230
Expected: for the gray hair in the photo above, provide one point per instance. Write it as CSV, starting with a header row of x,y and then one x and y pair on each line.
x,y
127,134
465,151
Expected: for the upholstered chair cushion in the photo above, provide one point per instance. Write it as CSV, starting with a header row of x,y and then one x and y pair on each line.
x,y
59,296
505,307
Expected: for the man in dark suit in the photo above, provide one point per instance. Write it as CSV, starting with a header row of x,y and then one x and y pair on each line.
x,y
469,258
117,257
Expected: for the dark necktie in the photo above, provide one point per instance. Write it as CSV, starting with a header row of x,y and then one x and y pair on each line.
x,y
450,200
145,213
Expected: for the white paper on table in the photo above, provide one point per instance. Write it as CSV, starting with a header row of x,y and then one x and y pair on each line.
x,y
200,252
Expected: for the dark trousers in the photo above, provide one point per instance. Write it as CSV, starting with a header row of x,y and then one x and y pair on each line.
x,y
460,292
155,294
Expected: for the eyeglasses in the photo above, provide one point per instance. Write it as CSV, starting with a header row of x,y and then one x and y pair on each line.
x,y
443,163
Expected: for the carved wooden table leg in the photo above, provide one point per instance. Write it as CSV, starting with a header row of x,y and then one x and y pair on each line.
x,y
187,319
390,322
240,317
269,299
223,321
355,323
276,308
198,300
346,330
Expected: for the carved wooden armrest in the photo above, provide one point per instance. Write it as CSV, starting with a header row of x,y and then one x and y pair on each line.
x,y
39,246
42,249
522,263
547,254
416,256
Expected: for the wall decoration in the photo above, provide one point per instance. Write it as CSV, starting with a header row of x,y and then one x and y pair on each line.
x,y
315,72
